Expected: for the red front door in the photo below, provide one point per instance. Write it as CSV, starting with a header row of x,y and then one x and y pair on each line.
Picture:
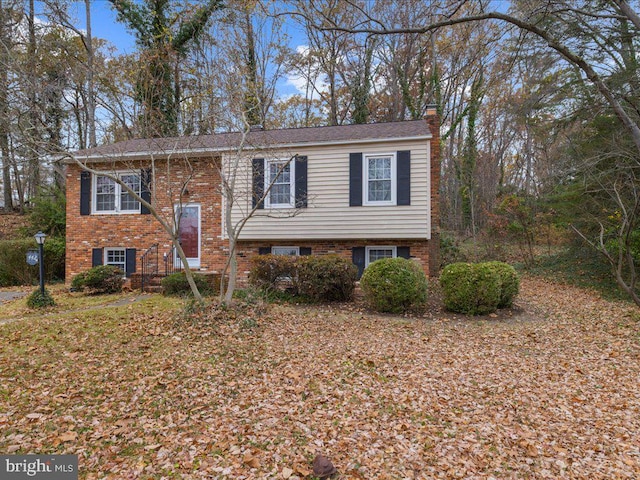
x,y
189,233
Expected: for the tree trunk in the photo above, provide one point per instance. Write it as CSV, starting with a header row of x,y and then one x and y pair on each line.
x,y
4,111
33,181
91,99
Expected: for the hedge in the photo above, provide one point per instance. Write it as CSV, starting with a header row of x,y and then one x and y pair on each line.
x,y
14,269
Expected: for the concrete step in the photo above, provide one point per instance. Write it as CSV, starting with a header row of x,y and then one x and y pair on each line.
x,y
153,288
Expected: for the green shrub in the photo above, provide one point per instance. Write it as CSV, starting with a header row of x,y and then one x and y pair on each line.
x,y
450,250
38,300
54,258
394,285
14,269
469,288
509,282
268,271
47,213
176,284
326,278
78,281
99,280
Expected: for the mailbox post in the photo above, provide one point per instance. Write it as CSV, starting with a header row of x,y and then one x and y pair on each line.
x,y
40,237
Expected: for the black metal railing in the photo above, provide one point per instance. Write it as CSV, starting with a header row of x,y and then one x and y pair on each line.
x,y
149,265
172,262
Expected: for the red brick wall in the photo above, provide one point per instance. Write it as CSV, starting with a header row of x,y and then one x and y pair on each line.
x,y
418,249
85,232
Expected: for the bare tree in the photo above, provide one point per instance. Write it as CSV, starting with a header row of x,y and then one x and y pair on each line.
x,y
8,14
242,202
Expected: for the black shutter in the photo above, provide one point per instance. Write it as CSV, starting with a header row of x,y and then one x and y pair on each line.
x,y
96,257
358,257
301,182
130,259
305,250
258,182
264,250
85,193
355,179
145,189
403,170
403,252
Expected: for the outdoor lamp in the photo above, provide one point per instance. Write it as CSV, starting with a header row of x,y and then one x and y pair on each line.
x,y
40,241
40,238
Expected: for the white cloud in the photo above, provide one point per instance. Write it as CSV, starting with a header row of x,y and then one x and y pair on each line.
x,y
299,83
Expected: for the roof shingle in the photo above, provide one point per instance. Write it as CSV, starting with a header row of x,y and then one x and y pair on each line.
x,y
259,139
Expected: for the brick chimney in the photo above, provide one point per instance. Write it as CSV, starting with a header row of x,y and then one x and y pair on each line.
x,y
433,121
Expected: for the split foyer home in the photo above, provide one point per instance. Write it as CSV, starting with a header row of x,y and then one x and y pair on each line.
x,y
363,192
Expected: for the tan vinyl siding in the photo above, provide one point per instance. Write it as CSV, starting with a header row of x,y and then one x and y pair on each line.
x,y
329,215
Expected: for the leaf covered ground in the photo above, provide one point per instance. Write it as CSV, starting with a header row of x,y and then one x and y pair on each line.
x,y
549,389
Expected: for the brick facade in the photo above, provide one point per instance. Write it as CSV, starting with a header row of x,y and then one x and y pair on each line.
x,y
88,232
419,250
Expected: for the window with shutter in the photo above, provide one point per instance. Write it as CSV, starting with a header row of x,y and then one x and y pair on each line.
x,y
380,179
108,196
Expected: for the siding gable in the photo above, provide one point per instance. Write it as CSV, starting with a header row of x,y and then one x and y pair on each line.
x,y
335,184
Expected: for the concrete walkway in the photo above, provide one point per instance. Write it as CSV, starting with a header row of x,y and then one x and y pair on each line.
x,y
8,296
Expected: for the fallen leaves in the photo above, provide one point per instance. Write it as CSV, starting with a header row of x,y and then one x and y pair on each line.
x,y
548,390
68,436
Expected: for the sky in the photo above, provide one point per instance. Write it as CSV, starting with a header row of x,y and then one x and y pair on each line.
x,y
104,25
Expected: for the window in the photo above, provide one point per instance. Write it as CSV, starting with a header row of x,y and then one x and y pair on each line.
x,y
280,176
116,257
376,253
110,197
379,179
293,251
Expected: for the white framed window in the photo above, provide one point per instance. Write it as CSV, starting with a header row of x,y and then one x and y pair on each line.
x,y
116,257
280,176
380,179
376,253
293,251
110,197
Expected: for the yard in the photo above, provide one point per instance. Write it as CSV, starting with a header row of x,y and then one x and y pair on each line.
x,y
549,389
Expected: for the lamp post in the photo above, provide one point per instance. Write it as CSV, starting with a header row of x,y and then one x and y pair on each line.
x,y
40,241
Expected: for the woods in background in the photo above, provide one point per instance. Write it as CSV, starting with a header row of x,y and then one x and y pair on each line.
x,y
539,101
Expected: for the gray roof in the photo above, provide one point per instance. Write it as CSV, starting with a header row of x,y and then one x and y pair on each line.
x,y
258,139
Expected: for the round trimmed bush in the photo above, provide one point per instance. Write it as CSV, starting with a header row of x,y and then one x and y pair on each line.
x,y
99,280
472,289
177,285
394,285
326,278
509,283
